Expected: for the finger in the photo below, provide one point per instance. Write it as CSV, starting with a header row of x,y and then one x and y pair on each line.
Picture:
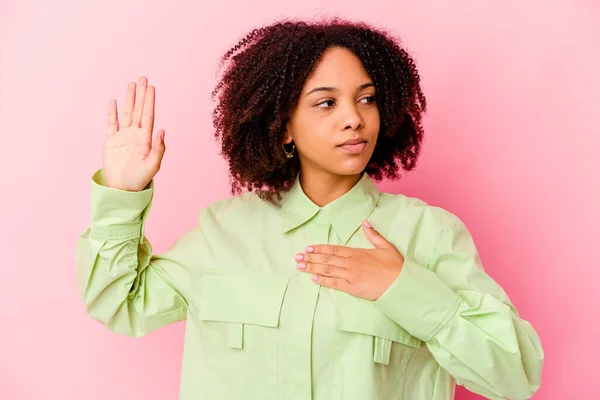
x,y
341,251
323,259
375,237
158,150
140,95
324,270
113,118
129,101
334,283
148,111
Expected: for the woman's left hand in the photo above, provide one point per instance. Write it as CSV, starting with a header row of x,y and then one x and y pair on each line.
x,y
365,273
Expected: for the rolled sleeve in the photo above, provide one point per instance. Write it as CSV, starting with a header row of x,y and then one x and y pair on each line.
x,y
118,213
452,302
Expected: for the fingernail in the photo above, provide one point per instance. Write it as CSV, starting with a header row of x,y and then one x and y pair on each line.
x,y
301,265
315,278
367,223
299,257
310,249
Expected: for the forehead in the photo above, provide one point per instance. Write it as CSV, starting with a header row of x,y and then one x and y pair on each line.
x,y
338,67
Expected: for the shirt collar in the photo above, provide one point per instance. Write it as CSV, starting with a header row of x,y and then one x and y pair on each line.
x,y
345,214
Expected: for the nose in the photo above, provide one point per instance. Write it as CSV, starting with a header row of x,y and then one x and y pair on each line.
x,y
352,118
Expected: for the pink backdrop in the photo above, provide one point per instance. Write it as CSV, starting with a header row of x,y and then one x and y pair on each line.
x,y
512,148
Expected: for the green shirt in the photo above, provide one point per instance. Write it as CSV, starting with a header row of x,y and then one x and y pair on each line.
x,y
258,328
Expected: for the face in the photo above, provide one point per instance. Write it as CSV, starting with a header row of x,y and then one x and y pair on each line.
x,y
335,123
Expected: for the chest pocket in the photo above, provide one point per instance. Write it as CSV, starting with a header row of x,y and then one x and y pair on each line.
x,y
359,316
237,328
238,301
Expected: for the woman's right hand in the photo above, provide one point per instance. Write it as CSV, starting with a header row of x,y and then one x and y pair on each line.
x,y
130,158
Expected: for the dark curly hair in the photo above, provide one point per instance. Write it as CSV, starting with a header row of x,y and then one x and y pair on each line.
x,y
263,82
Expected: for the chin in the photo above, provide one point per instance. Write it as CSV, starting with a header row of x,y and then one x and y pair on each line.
x,y
350,167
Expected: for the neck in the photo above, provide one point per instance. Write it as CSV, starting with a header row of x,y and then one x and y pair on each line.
x,y
322,187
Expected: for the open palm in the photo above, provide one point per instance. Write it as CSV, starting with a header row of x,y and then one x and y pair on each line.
x,y
130,158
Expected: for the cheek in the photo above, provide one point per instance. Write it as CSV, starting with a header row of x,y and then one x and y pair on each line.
x,y
313,136
315,145
374,121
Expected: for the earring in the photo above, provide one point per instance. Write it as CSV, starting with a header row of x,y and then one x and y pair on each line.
x,y
291,153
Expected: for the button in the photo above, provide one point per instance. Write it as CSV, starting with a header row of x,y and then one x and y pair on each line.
x,y
321,216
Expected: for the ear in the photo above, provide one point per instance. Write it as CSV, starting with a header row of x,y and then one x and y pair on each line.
x,y
287,137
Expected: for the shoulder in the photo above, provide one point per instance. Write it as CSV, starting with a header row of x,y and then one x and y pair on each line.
x,y
237,210
406,209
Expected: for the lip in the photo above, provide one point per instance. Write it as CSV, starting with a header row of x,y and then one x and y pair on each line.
x,y
353,141
353,146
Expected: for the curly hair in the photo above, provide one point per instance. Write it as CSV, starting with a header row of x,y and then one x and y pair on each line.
x,y
263,82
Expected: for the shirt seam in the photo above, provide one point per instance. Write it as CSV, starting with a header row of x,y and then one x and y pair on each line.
x,y
404,371
446,320
433,250
435,380
159,270
127,231
458,302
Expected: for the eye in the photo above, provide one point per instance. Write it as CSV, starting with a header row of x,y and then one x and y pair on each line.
x,y
370,98
323,102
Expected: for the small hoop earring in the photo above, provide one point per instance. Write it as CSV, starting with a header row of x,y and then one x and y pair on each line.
x,y
289,154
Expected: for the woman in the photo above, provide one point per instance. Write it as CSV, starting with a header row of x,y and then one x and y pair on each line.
x,y
311,284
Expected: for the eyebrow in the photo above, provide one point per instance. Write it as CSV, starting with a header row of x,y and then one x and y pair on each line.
x,y
333,89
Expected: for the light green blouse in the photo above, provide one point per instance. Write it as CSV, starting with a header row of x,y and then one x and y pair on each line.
x,y
258,328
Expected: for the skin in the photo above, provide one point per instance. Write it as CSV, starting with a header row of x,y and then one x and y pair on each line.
x,y
321,120
364,273
130,159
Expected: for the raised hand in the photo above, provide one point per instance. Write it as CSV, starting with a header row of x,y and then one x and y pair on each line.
x,y
130,158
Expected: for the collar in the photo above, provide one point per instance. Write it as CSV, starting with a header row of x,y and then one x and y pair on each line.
x,y
345,214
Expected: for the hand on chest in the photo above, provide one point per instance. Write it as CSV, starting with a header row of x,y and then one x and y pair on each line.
x,y
274,293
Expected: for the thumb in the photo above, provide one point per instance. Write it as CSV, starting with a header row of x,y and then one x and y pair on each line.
x,y
375,237
158,150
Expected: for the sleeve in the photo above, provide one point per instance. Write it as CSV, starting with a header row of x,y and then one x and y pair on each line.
x,y
466,320
123,285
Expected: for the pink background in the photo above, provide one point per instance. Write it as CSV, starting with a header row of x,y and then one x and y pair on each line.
x,y
512,148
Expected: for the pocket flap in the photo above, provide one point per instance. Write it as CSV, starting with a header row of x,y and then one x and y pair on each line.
x,y
358,315
239,296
